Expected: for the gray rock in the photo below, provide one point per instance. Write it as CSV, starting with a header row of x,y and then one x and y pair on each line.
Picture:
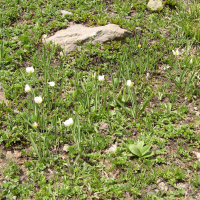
x,y
65,12
155,5
68,38
162,186
65,148
197,154
2,95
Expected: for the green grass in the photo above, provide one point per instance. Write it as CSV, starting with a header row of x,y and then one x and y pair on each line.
x,y
104,159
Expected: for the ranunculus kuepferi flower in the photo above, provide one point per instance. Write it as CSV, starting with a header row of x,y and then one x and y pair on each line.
x,y
129,83
29,70
68,122
27,88
38,100
51,83
176,52
101,78
35,125
94,75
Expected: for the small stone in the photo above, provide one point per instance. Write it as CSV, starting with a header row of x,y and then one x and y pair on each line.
x,y
197,154
195,108
15,154
2,95
162,186
113,148
103,125
155,5
65,12
198,113
65,148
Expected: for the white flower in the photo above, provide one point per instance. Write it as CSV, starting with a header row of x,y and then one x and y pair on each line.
x,y
101,78
44,36
167,67
27,88
129,83
191,61
35,125
68,122
94,75
147,75
176,52
51,83
29,70
38,100
198,77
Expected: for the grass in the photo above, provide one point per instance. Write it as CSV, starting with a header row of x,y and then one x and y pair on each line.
x,y
137,142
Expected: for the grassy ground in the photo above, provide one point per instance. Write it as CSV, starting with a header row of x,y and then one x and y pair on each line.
x,y
137,141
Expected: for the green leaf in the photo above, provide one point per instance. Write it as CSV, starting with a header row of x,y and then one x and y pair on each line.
x,y
127,110
140,145
35,147
145,149
133,148
148,154
144,105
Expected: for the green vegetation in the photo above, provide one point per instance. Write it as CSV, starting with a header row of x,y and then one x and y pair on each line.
x,y
110,121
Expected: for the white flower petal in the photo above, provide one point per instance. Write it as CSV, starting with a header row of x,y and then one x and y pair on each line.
x,y
51,83
35,125
101,78
68,122
27,88
29,70
38,100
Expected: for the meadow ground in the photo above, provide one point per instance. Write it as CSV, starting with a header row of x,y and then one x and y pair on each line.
x,y
118,120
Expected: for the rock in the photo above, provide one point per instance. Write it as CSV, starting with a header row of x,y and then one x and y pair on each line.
x,y
65,148
68,38
103,125
197,155
11,155
195,108
155,5
162,186
113,148
2,95
64,12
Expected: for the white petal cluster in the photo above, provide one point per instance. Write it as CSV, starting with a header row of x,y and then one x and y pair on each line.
x,y
68,122
101,78
167,67
35,125
176,52
51,83
94,75
129,83
27,88
29,70
38,100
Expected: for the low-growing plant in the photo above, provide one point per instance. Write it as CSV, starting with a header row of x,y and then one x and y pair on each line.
x,y
140,150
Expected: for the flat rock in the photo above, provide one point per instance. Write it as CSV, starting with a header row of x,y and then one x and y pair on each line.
x,y
65,12
197,154
2,95
15,154
162,186
68,38
155,5
65,148
113,148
